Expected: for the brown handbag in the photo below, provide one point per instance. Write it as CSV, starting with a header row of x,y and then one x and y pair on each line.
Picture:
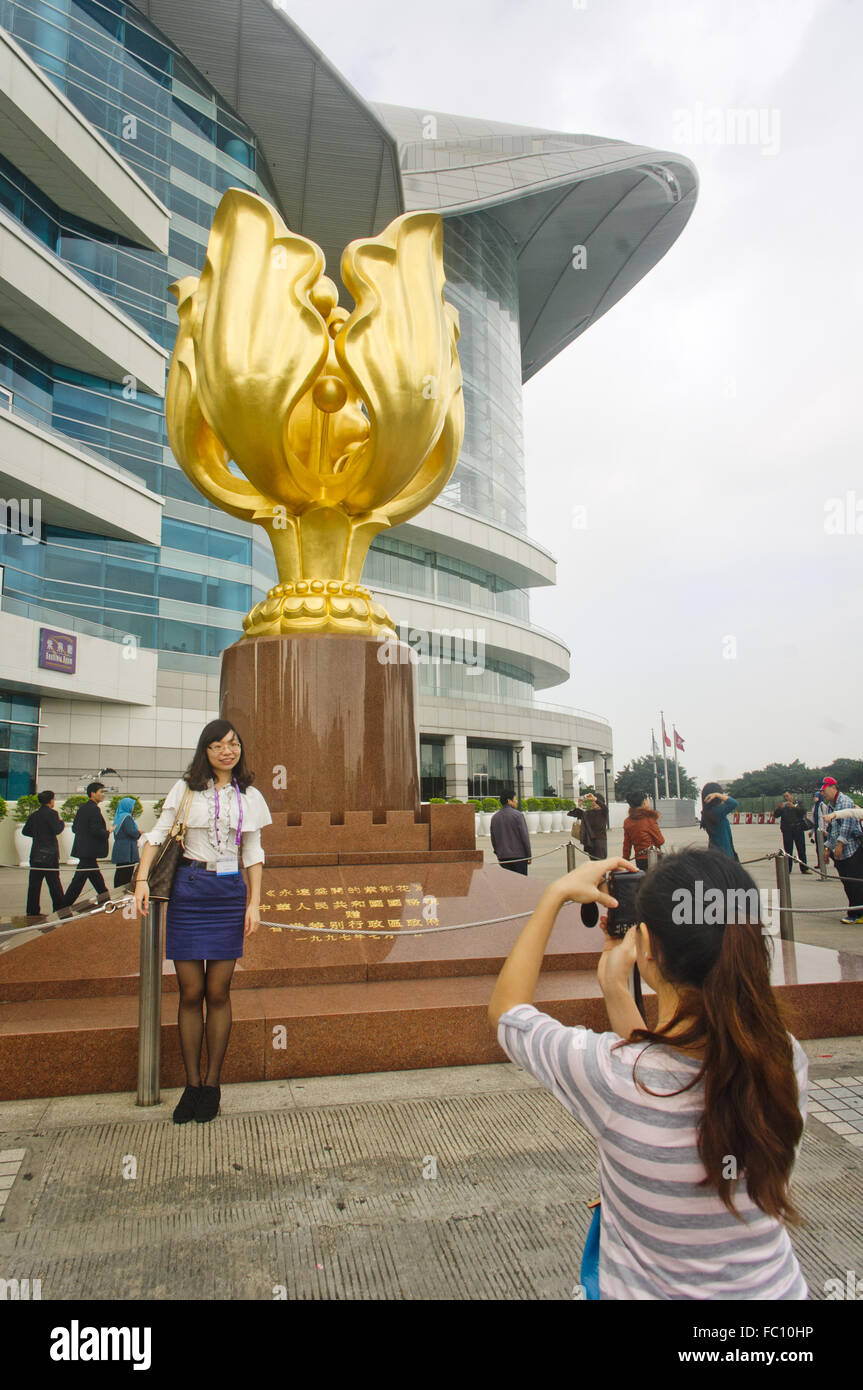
x,y
160,879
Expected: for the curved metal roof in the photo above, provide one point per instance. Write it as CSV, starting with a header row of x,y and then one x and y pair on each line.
x,y
332,163
624,204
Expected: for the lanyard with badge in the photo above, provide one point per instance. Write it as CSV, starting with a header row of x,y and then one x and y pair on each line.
x,y
228,864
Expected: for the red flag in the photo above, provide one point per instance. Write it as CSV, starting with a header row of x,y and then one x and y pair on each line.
x,y
679,741
667,739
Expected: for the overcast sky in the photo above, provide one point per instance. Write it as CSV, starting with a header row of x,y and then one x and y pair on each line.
x,y
709,424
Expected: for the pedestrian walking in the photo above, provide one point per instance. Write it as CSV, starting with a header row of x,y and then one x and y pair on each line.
x,y
124,852
641,830
215,900
791,821
694,1182
90,845
509,838
716,807
845,846
593,814
43,828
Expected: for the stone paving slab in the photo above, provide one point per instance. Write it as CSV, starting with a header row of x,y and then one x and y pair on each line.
x,y
462,1183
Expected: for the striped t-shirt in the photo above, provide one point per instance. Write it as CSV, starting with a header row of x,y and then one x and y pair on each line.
x,y
662,1236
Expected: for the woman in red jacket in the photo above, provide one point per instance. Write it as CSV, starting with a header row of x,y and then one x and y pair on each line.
x,y
641,829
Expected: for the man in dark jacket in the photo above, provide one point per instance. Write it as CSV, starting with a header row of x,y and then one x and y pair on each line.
x,y
509,838
791,816
42,828
91,844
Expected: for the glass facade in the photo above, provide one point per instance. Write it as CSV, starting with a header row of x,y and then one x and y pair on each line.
x,y
547,771
410,569
432,768
19,741
166,121
490,768
482,283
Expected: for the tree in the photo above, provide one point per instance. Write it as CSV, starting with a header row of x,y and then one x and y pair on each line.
x,y
776,778
638,776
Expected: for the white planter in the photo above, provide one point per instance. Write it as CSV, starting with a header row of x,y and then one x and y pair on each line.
x,y
477,824
22,847
532,818
485,822
558,821
545,819
67,839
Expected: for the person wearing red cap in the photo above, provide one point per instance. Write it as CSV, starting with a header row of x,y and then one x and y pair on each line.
x,y
845,844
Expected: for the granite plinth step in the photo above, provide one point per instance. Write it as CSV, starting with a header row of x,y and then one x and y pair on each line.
x,y
404,836
53,1047
59,1047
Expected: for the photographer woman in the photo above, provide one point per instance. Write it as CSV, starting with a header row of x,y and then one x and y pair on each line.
x,y
215,900
697,1120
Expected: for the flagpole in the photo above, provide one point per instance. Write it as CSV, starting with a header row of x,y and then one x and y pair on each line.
x,y
655,777
664,755
676,763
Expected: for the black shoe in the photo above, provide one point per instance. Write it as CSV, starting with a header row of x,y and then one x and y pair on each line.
x,y
188,1105
208,1104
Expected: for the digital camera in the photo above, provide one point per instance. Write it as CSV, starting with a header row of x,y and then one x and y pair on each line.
x,y
623,885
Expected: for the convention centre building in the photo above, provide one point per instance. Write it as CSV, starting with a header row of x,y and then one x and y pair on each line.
x,y
121,127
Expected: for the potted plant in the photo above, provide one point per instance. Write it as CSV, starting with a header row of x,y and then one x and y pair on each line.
x,y
477,807
546,809
490,805
557,818
137,809
67,813
24,808
437,801
532,805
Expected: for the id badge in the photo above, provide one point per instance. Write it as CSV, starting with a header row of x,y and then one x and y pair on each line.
x,y
227,866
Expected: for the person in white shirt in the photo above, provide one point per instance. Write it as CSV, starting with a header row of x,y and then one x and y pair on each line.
x,y
215,900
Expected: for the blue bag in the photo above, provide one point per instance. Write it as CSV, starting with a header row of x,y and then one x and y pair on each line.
x,y
590,1259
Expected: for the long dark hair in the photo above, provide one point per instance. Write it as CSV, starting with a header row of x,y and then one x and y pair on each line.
x,y
728,1009
199,773
709,816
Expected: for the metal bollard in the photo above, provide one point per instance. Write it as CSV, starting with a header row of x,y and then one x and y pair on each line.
x,y
783,883
819,849
653,856
570,856
150,1004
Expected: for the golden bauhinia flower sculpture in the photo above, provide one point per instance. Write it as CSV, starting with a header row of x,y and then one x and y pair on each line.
x,y
341,424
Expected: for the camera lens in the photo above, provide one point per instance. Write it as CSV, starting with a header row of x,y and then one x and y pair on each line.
x,y
589,914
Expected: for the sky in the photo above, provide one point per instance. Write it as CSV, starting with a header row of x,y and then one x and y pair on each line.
x,y
694,458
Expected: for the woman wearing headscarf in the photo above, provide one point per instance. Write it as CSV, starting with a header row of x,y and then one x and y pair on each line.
x,y
124,853
716,807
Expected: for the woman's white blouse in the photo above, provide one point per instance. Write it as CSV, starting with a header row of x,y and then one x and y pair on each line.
x,y
199,840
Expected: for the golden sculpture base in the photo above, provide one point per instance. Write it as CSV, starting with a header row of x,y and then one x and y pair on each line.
x,y
319,606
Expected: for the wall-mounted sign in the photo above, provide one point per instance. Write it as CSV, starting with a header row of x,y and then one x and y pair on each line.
x,y
57,651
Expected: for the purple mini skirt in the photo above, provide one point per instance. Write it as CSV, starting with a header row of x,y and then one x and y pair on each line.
x,y
206,915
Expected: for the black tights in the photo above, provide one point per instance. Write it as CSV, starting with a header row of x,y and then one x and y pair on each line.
x,y
198,979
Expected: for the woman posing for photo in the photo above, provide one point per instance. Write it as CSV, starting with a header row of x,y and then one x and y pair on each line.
x,y
215,900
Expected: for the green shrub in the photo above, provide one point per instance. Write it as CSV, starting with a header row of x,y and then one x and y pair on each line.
x,y
491,803
70,806
437,801
533,803
25,806
3,809
454,801
546,803
568,804
157,807
475,803
137,809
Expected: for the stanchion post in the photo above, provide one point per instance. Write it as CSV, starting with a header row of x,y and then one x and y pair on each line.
x,y
819,849
783,884
570,856
150,1005
653,856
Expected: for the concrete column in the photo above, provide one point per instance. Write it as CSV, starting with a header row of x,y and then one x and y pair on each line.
x,y
570,772
599,776
455,765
